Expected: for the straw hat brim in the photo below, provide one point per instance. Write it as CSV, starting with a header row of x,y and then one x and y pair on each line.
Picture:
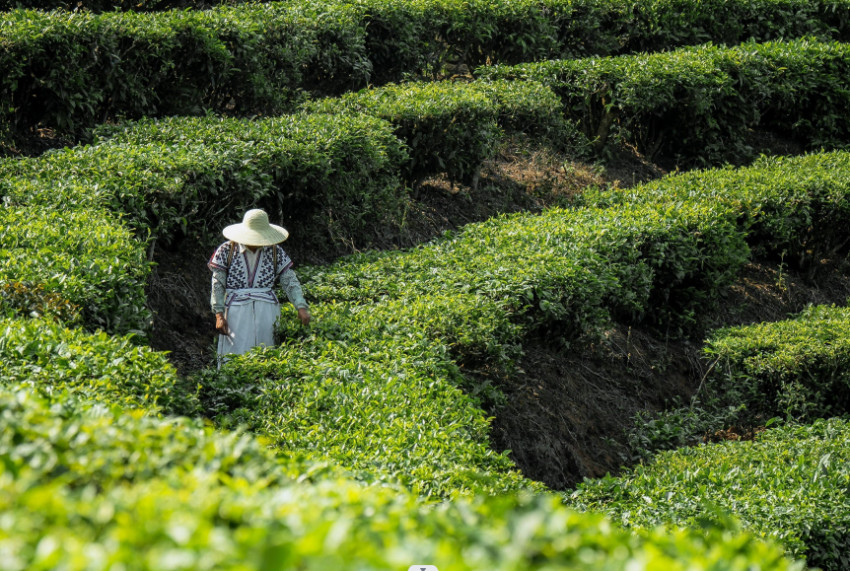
x,y
250,237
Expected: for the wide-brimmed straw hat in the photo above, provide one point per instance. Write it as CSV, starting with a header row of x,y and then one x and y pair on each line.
x,y
255,230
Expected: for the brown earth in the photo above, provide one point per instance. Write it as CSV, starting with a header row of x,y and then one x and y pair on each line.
x,y
566,411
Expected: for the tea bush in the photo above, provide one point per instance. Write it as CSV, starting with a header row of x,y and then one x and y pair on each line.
x,y
69,440
91,487
74,264
71,71
789,485
796,368
790,208
203,525
452,127
50,358
447,127
697,105
336,176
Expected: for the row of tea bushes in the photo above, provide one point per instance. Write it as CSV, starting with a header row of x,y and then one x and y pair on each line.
x,y
71,71
665,244
791,208
565,271
790,484
422,34
90,486
796,369
99,488
73,264
452,127
79,439
49,359
184,176
699,105
425,36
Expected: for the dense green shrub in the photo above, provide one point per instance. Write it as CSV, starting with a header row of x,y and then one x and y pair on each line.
x,y
70,440
51,359
452,127
204,525
448,127
698,105
89,487
789,485
797,368
531,108
331,177
789,208
565,271
73,264
428,34
661,24
72,71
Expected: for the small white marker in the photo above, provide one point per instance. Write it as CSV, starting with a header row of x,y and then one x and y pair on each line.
x,y
422,568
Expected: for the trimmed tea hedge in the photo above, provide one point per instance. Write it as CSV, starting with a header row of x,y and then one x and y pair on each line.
x,y
789,485
69,440
50,358
798,368
452,127
562,271
73,264
791,208
94,487
336,176
447,126
698,105
71,71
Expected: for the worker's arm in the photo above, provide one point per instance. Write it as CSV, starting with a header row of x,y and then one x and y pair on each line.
x,y
219,279
292,288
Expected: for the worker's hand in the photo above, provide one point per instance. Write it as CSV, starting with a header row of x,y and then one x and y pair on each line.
x,y
221,324
304,316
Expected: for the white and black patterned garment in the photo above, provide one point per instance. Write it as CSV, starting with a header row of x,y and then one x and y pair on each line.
x,y
248,301
240,275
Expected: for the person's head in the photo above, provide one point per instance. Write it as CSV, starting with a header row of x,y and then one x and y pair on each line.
x,y
255,230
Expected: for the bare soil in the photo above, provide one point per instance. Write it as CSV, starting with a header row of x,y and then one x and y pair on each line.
x,y
566,411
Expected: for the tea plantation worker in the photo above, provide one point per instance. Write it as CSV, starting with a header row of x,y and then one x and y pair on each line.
x,y
244,271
